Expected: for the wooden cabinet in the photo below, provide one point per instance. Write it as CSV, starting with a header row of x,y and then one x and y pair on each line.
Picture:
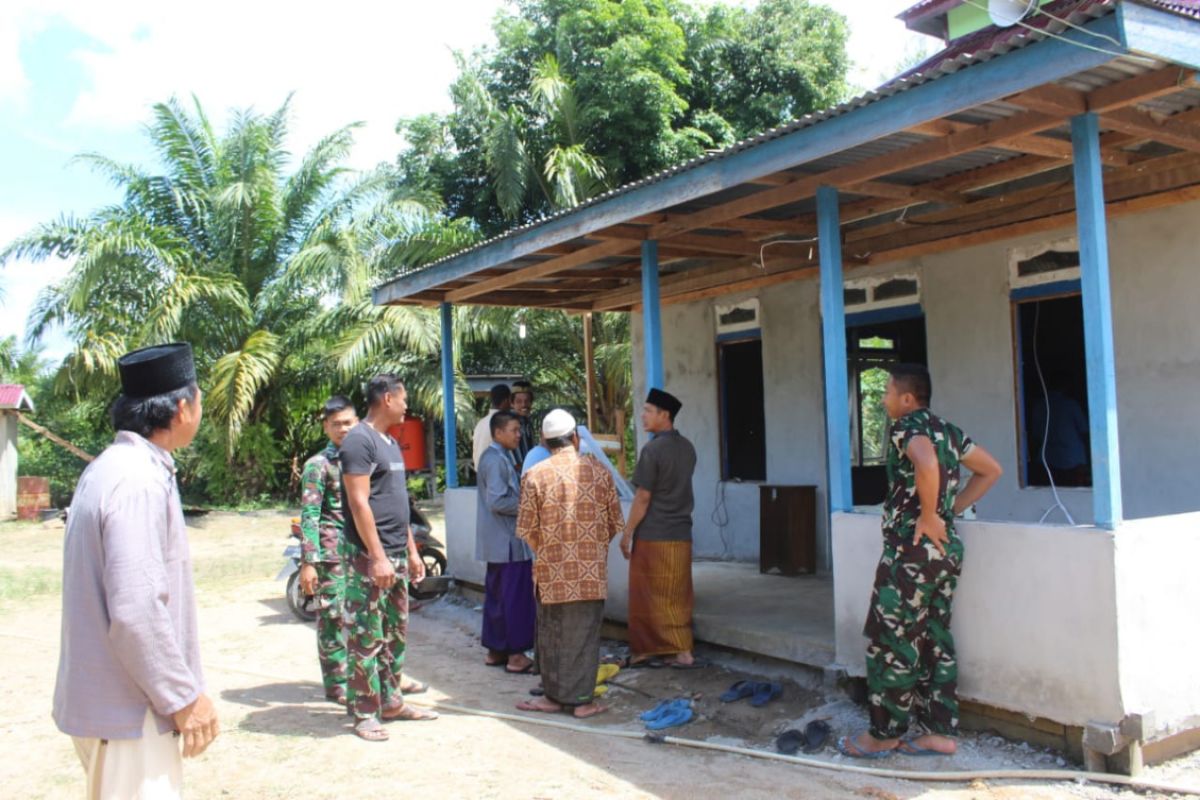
x,y
787,525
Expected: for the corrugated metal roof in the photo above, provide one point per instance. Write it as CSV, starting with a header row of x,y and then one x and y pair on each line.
x,y
973,49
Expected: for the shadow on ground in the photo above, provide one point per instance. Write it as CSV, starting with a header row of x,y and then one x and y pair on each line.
x,y
297,709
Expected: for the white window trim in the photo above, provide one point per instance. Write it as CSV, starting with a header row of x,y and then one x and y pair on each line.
x,y
750,304
869,285
1018,254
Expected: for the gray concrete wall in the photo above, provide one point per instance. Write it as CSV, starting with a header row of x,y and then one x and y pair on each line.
x,y
968,320
795,416
8,465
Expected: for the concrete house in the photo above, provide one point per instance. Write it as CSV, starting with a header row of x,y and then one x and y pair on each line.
x,y
1021,213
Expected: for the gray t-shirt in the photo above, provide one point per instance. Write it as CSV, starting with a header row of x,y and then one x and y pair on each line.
x,y
366,451
665,470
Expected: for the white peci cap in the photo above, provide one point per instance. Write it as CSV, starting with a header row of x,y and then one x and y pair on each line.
x,y
557,423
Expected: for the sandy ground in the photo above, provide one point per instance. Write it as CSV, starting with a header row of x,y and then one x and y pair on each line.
x,y
280,739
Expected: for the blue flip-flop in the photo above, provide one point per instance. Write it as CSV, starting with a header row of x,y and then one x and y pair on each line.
x,y
844,750
738,691
764,693
677,712
656,712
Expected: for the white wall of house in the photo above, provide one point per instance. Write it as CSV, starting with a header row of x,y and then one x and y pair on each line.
x,y
969,328
8,464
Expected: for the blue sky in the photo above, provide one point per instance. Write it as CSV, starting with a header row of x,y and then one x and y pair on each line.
x,y
80,76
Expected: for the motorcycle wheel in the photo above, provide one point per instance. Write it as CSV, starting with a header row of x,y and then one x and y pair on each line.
x,y
435,566
302,605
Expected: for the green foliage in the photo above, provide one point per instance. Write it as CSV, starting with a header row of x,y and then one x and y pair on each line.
x,y
577,95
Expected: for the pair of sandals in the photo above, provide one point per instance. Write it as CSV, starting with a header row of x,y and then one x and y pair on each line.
x,y
528,669
759,692
848,746
811,739
668,714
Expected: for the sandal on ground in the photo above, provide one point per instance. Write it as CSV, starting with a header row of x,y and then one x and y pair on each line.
x,y
370,730
408,713
845,743
525,670
816,734
764,693
642,663
697,663
738,691
415,688
789,742
669,715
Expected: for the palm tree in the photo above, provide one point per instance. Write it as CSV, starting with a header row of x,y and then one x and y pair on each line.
x,y
543,147
223,248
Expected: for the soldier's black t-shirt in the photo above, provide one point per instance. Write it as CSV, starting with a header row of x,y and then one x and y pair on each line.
x,y
366,451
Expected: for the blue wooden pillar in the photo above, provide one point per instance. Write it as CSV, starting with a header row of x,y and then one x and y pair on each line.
x,y
651,316
833,325
1097,320
449,422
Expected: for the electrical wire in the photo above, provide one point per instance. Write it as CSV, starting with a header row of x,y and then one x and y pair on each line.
x,y
1049,34
1037,364
720,518
762,263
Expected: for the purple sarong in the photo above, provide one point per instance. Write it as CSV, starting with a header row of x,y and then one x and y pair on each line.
x,y
509,611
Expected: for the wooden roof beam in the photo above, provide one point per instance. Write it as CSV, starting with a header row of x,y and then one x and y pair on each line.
x,y
1167,130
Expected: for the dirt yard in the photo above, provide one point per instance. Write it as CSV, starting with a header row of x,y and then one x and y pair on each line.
x,y
281,740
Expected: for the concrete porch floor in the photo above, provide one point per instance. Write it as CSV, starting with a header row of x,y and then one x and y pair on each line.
x,y
789,618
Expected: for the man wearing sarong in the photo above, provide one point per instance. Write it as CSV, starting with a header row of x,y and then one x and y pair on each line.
x,y
381,557
509,611
569,513
130,690
911,667
658,539
322,574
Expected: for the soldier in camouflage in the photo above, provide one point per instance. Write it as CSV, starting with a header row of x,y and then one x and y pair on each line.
x,y
911,667
322,572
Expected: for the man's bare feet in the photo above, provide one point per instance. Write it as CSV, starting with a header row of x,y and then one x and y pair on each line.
x,y
541,704
865,745
683,659
932,741
519,664
408,713
588,710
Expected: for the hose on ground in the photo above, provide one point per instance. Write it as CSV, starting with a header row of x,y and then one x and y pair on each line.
x,y
960,776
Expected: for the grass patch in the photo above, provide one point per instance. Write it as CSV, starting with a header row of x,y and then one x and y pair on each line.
x,y
28,582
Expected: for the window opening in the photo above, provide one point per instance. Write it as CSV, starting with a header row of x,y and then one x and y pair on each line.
x,y
1053,422
743,412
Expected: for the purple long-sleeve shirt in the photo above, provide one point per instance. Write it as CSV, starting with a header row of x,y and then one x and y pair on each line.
x,y
129,637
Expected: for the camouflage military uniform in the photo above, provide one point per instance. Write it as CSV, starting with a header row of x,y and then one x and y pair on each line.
x,y
910,658
321,519
377,622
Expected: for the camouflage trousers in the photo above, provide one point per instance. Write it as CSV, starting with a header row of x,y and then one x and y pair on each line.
x,y
911,668
376,628
331,635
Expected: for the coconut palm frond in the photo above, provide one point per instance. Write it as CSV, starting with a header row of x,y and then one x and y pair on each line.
x,y
379,331
574,175
238,377
222,294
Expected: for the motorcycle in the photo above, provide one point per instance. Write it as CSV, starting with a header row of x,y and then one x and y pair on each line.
x,y
431,550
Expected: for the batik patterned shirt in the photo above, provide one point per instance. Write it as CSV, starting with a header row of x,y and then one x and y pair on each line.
x,y
569,513
902,506
321,516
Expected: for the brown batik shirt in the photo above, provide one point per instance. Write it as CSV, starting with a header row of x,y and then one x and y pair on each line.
x,y
569,513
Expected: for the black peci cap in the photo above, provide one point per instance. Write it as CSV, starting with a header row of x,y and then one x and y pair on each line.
x,y
667,402
156,370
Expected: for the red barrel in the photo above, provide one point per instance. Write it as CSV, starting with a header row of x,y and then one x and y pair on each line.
x,y
410,434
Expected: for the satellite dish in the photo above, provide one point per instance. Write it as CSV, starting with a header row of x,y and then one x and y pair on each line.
x,y
1006,13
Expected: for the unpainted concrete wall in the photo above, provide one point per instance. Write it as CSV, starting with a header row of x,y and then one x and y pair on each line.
x,y
969,327
8,465
1035,615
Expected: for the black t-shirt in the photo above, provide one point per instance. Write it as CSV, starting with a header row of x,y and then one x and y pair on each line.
x,y
366,451
665,470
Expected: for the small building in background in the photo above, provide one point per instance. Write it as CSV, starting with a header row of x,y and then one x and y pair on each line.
x,y
13,400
